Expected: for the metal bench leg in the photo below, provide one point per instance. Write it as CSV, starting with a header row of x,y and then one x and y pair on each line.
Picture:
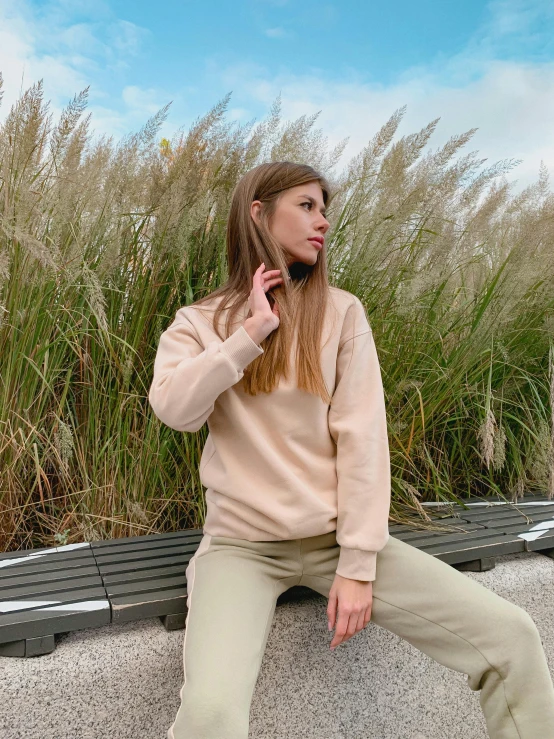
x,y
477,565
173,621
29,647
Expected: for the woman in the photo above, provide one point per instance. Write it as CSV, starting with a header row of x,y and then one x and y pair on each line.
x,y
297,474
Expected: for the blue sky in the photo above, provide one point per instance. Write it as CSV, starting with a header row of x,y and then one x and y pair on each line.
x,y
484,65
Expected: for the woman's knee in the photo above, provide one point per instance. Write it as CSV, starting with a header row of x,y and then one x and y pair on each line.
x,y
519,632
512,642
213,715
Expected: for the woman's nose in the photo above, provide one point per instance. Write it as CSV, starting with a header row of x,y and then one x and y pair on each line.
x,y
322,222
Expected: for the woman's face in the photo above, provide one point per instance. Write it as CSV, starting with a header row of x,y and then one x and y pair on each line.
x,y
299,217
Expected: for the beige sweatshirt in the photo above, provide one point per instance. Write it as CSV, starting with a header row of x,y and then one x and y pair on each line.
x,y
284,465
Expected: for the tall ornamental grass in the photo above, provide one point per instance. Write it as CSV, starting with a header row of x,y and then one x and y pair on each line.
x,y
101,242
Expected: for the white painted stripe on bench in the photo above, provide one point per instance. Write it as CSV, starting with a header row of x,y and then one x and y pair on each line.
x,y
34,555
537,530
50,605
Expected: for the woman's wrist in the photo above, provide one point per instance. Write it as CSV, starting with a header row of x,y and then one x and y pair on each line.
x,y
255,330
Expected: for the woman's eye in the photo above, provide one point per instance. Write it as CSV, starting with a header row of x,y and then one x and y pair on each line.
x,y
307,204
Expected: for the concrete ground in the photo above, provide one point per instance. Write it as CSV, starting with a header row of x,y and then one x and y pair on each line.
x,y
123,681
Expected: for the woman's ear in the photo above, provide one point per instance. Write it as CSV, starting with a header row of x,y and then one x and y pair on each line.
x,y
255,210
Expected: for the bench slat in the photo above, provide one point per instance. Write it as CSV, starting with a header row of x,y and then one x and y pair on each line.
x,y
147,539
494,546
438,521
138,586
54,575
147,605
45,564
147,573
43,589
414,535
59,612
137,559
67,549
509,513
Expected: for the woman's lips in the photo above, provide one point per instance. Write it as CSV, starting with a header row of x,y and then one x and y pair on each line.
x,y
316,243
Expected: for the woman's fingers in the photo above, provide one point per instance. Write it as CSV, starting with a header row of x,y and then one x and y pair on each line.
x,y
271,283
349,625
332,610
341,629
267,274
258,275
267,280
275,278
260,307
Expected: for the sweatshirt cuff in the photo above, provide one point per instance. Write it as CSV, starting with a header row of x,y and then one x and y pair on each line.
x,y
357,564
241,348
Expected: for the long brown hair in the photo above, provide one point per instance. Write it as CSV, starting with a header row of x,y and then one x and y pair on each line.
x,y
303,300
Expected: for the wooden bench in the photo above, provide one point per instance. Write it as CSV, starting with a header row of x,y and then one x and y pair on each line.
x,y
45,592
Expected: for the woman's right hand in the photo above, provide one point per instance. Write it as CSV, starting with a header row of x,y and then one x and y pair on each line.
x,y
264,317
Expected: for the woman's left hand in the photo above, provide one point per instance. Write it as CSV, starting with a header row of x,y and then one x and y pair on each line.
x,y
353,600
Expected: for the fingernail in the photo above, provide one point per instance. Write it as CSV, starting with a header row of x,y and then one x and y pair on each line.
x,y
329,625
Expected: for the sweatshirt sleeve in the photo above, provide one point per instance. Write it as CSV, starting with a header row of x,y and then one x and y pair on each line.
x,y
358,425
188,377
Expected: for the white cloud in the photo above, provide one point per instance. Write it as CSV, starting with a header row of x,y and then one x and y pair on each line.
x,y
80,37
43,43
276,32
21,66
141,100
237,114
126,37
511,103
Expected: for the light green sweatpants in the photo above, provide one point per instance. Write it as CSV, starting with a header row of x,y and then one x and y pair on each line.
x,y
233,586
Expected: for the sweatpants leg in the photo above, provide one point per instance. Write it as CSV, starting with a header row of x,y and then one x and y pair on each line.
x,y
459,623
233,586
